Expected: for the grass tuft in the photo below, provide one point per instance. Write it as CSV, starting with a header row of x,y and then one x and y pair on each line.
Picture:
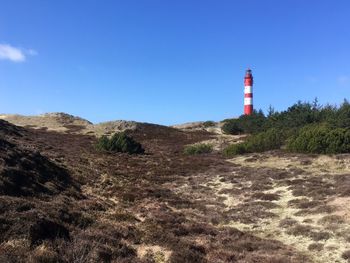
x,y
198,149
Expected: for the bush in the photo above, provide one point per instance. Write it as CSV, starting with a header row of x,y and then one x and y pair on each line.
x,y
342,118
309,128
208,124
253,123
235,149
119,142
103,143
264,141
321,139
232,126
298,115
198,149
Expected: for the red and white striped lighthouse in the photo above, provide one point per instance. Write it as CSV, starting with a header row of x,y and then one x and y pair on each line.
x,y
248,92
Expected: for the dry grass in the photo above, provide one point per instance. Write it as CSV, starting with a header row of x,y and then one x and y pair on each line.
x,y
155,254
308,208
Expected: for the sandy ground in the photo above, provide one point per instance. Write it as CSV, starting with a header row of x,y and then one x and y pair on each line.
x,y
323,234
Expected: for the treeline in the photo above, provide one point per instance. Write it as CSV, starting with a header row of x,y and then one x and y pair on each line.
x,y
304,127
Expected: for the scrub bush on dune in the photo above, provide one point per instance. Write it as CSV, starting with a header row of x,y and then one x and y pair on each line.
x,y
264,141
119,142
198,149
245,124
232,126
235,149
302,128
320,139
208,124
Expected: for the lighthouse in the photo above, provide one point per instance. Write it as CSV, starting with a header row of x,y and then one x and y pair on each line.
x,y
248,92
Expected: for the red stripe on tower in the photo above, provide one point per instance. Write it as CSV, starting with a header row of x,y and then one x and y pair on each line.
x,y
248,92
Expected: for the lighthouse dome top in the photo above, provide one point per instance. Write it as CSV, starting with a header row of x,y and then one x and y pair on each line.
x,y
248,72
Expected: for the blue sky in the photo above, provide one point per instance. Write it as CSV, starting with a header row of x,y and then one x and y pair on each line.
x,y
168,61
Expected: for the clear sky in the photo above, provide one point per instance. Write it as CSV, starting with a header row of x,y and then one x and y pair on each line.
x,y
170,61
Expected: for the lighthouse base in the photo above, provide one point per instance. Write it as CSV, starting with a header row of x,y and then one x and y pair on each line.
x,y
248,109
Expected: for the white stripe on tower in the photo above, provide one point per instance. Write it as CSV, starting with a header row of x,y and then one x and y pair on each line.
x,y
248,101
248,89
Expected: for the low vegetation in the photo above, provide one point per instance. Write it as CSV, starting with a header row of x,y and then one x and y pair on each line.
x,y
232,126
208,124
245,124
119,142
198,149
72,203
264,141
320,139
304,127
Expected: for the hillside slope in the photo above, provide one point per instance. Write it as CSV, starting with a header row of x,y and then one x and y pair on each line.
x,y
63,201
51,121
71,203
63,122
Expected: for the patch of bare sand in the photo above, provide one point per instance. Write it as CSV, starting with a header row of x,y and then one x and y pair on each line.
x,y
218,185
59,122
157,253
342,205
321,164
336,240
333,247
200,126
63,122
219,142
15,243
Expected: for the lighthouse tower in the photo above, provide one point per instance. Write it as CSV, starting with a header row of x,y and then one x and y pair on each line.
x,y
248,92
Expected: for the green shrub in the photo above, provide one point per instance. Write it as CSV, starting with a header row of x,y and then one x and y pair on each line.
x,y
119,142
251,124
208,124
342,118
298,115
235,149
264,141
320,139
308,128
198,149
103,143
231,126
